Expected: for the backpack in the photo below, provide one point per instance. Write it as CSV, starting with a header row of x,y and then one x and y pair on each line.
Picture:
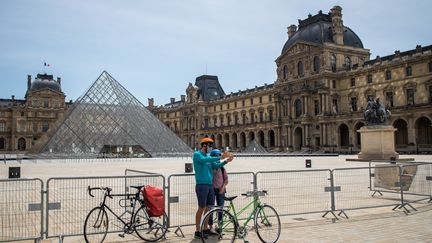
x,y
154,200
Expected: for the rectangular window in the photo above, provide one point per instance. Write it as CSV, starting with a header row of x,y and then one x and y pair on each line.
x,y
236,119
214,121
228,105
220,107
261,116
206,109
389,97
251,100
334,84
35,127
243,103
270,115
46,103
205,123
353,82
222,121
244,118
369,78
388,75
316,104
45,126
260,100
430,94
2,127
408,71
410,96
235,104
252,116
430,66
270,98
354,103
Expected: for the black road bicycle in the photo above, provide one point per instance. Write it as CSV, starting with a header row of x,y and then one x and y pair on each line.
x,y
146,227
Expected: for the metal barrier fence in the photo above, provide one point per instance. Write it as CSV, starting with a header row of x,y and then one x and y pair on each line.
x,y
182,202
353,189
21,209
69,203
26,214
290,194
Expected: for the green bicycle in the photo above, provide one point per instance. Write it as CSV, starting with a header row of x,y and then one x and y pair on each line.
x,y
227,226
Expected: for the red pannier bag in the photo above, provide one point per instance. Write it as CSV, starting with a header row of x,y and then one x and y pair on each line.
x,y
154,200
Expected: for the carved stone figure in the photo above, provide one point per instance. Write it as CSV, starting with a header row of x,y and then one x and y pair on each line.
x,y
375,113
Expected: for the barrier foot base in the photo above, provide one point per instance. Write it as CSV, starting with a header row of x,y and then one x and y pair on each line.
x,y
177,230
343,212
334,215
376,192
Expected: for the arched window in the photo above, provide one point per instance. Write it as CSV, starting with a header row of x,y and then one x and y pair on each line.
x,y
21,144
285,72
316,64
333,62
300,68
347,63
298,108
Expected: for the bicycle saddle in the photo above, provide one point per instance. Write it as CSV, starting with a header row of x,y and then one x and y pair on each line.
x,y
230,198
137,187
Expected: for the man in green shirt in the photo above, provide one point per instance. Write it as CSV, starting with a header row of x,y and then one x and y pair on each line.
x,y
203,166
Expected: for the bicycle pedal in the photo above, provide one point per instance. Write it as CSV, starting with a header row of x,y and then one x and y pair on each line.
x,y
121,235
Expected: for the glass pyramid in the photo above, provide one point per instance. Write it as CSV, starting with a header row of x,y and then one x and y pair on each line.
x,y
109,120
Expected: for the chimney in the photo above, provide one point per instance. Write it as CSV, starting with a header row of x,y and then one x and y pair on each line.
x,y
13,98
172,100
291,30
337,24
183,98
59,80
418,48
28,82
150,102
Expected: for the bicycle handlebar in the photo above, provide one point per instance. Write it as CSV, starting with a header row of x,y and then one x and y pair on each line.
x,y
106,189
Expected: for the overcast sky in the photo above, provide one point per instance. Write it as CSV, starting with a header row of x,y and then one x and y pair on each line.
x,y
155,48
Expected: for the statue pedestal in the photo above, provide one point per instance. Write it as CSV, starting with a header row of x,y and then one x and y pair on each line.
x,y
377,142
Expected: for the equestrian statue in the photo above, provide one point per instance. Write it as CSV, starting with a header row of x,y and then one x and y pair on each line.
x,y
375,113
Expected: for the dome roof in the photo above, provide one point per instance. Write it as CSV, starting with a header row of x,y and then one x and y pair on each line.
x,y
45,81
320,31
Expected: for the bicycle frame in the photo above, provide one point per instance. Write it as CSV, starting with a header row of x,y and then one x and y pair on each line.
x,y
130,197
257,204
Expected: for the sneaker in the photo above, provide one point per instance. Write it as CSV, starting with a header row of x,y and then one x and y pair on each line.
x,y
210,232
198,235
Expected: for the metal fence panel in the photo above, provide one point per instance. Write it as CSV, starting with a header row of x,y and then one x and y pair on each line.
x,y
416,182
182,201
296,192
73,202
21,211
357,187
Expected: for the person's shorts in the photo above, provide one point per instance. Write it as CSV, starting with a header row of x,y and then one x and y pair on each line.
x,y
205,195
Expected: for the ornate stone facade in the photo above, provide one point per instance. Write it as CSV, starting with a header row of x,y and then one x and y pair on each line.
x,y
324,79
23,123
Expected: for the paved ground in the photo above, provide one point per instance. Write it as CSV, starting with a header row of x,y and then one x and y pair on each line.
x,y
372,225
394,226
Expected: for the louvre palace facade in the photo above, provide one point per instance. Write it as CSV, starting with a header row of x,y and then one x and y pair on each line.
x,y
24,122
324,78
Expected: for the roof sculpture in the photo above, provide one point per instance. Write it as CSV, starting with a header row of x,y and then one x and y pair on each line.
x,y
108,119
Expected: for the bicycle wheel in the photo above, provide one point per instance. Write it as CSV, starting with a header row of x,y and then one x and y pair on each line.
x,y
150,228
96,225
267,224
223,224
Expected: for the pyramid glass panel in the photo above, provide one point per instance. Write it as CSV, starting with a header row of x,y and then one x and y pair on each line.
x,y
108,119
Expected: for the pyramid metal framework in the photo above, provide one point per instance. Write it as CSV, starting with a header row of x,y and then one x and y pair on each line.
x,y
106,118
255,148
